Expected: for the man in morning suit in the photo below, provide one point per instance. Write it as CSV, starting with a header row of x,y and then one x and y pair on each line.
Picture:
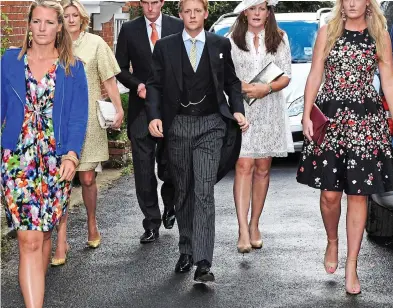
x,y
186,104
135,45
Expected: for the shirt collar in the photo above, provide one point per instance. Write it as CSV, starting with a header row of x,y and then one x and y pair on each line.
x,y
200,37
158,22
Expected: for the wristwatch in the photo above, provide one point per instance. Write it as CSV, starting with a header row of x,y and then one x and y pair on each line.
x,y
270,89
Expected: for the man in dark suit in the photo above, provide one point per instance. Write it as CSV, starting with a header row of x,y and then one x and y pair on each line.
x,y
186,104
135,45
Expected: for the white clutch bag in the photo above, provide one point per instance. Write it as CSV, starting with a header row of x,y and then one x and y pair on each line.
x,y
106,112
268,74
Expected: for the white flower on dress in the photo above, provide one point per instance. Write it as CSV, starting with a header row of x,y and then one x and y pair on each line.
x,y
334,170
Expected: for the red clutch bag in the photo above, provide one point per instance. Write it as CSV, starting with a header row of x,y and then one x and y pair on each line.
x,y
320,124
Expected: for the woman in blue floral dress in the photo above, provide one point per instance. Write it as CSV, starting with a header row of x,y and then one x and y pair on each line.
x,y
44,113
356,153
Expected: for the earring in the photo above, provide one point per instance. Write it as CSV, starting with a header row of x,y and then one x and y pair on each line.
x,y
343,16
57,39
368,12
30,39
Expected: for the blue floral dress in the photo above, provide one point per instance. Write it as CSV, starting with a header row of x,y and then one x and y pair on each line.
x,y
356,154
35,198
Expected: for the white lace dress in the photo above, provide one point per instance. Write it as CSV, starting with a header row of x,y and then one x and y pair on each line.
x,y
269,134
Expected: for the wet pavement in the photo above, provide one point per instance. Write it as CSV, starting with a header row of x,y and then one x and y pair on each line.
x,y
287,272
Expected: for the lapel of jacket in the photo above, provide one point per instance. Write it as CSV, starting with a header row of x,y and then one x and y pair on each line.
x,y
165,26
144,39
16,80
214,57
176,59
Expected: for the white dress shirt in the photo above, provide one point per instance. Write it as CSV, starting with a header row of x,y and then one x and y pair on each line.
x,y
200,43
149,29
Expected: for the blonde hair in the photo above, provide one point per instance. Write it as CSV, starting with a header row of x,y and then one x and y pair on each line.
x,y
204,2
376,25
63,42
85,18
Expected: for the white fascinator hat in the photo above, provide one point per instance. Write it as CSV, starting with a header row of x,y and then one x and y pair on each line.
x,y
246,4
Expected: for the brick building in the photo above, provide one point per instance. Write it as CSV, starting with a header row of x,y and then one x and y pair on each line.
x,y
106,18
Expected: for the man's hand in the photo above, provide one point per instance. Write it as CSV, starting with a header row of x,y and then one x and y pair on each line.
x,y
242,121
155,128
141,91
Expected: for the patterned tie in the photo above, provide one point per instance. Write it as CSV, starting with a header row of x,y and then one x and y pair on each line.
x,y
154,33
193,54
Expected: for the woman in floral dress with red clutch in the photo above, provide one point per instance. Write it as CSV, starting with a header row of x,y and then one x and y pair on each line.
x,y
356,153
44,113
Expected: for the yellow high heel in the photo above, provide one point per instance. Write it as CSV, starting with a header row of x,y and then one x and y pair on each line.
x,y
94,243
58,262
330,267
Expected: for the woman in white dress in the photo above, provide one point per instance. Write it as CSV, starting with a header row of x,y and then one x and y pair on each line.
x,y
256,40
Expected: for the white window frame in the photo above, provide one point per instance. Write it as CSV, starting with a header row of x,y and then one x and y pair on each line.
x,y
118,20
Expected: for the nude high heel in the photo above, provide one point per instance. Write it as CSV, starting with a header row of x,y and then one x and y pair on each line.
x,y
353,289
330,267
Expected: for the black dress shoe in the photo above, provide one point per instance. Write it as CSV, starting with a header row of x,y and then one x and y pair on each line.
x,y
168,218
149,236
184,264
203,273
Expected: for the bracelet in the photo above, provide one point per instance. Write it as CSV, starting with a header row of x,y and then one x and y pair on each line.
x,y
270,88
72,158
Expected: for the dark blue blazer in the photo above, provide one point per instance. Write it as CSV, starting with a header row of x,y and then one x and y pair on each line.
x,y
70,107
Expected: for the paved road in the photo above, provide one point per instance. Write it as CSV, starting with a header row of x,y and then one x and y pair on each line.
x,y
287,272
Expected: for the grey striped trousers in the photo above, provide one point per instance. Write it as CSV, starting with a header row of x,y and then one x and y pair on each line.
x,y
194,147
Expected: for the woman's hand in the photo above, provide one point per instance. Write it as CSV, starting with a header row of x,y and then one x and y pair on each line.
x,y
118,119
256,90
307,128
67,170
68,166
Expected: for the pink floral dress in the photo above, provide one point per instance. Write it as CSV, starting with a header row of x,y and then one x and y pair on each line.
x,y
356,155
35,198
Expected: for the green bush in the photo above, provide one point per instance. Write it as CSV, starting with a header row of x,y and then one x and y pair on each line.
x,y
5,31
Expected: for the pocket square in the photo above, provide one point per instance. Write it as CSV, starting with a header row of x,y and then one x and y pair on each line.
x,y
221,56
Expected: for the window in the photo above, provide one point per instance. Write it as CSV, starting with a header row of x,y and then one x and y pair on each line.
x,y
118,20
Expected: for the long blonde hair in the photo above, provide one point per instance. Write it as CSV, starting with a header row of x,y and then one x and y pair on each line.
x,y
63,42
85,18
376,25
